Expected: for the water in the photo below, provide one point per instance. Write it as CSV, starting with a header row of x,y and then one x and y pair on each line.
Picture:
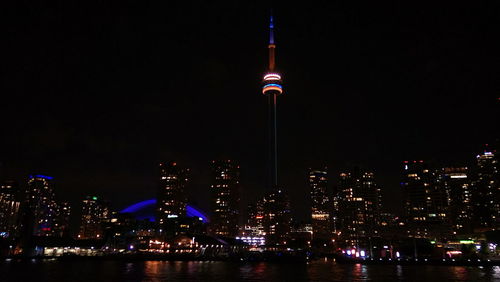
x,y
231,271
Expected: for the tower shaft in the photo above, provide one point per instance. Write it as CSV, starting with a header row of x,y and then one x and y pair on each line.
x,y
273,144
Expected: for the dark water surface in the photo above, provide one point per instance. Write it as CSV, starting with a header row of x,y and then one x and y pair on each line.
x,y
230,271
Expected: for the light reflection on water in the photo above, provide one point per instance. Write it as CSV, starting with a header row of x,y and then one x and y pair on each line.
x,y
320,270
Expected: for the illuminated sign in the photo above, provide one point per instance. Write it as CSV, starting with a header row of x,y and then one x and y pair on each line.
x,y
458,176
466,241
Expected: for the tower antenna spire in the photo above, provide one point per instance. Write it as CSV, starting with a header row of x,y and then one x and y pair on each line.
x,y
271,29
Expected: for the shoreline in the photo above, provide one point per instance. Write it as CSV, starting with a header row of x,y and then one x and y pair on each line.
x,y
339,260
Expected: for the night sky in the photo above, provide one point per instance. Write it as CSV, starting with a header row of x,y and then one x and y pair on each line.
x,y
97,93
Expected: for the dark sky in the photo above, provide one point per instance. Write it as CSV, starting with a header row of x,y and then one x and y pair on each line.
x,y
96,93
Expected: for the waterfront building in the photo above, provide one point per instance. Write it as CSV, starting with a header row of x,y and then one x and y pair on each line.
x,y
425,202
95,212
225,198
9,209
255,219
172,198
457,184
359,205
486,192
40,208
62,220
320,204
277,218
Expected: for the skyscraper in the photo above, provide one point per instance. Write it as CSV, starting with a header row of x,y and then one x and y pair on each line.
x,y
486,192
225,198
40,207
9,209
277,218
95,212
425,201
359,205
456,182
172,198
320,204
62,220
255,219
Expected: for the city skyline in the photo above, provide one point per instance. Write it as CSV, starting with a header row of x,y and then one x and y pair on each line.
x,y
110,139
332,186
146,141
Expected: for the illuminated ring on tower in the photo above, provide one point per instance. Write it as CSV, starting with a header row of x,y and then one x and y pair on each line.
x,y
272,87
272,76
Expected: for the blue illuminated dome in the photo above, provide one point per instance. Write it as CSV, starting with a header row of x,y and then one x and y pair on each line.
x,y
146,210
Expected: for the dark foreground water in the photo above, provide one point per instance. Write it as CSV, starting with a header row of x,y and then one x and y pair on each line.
x,y
231,271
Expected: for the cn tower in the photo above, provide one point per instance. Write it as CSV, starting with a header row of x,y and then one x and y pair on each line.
x,y
272,88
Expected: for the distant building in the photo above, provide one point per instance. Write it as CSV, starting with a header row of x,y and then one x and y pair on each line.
x,y
255,219
457,184
277,217
486,192
40,208
425,202
320,204
62,220
9,209
359,205
172,198
225,198
391,226
95,212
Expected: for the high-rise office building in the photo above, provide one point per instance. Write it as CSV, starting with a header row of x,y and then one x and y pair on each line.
x,y
425,202
172,200
225,198
321,207
457,184
359,205
95,213
9,209
486,192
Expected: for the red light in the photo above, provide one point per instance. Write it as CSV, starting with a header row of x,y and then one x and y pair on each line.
x,y
259,217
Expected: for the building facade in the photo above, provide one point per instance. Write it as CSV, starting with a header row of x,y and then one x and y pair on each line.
x,y
172,198
277,218
359,206
425,202
225,198
9,209
486,192
40,208
456,182
321,207
95,213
